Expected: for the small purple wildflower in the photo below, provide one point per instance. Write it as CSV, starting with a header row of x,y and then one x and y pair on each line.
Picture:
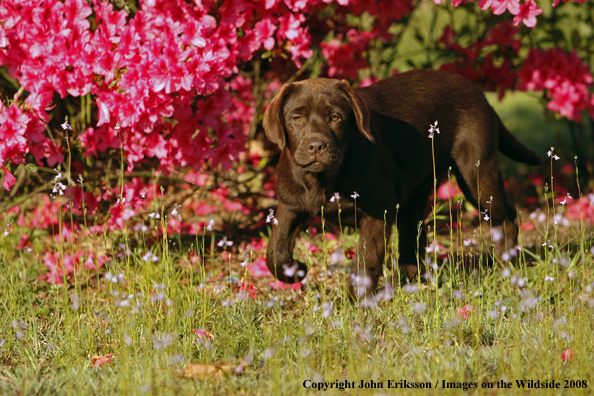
x,y
66,126
149,256
419,308
433,129
270,218
224,242
335,198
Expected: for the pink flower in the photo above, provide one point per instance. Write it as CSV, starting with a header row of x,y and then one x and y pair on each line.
x,y
569,100
448,190
330,237
203,334
505,34
93,262
500,6
98,361
564,75
247,289
464,311
527,226
484,4
344,59
55,155
256,245
368,81
264,31
259,268
312,248
289,26
52,262
203,209
527,14
231,206
567,355
24,242
278,285
9,180
14,125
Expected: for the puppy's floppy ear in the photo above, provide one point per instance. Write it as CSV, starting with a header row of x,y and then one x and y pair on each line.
x,y
272,123
360,109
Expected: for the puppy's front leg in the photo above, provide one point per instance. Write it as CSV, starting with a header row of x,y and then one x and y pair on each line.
x,y
366,267
279,256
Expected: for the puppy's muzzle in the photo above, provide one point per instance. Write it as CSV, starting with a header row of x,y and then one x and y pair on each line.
x,y
317,155
316,146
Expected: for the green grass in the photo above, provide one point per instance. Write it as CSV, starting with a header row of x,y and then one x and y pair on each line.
x,y
284,337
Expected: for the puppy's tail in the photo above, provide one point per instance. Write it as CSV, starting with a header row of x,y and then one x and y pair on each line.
x,y
512,148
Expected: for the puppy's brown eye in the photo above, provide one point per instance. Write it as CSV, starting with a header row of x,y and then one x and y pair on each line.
x,y
334,118
297,118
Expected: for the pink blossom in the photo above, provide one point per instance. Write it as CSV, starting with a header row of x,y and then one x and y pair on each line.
x,y
9,180
564,75
54,154
464,312
248,289
259,268
98,361
330,237
569,100
256,245
448,190
203,209
568,355
312,248
204,334
505,35
500,6
278,285
231,206
290,26
368,81
344,59
93,262
527,14
264,31
24,242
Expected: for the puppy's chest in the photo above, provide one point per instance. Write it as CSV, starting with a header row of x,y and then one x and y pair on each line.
x,y
313,200
328,205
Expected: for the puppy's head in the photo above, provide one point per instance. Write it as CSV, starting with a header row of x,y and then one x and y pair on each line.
x,y
314,120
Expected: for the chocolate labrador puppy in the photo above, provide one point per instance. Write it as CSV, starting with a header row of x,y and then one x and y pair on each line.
x,y
372,147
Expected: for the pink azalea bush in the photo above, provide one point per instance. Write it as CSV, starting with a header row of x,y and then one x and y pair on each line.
x,y
60,269
170,86
166,81
565,76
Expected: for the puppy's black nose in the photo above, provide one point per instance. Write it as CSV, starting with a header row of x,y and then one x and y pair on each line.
x,y
316,146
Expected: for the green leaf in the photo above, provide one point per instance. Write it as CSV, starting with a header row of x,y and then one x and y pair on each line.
x,y
31,168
